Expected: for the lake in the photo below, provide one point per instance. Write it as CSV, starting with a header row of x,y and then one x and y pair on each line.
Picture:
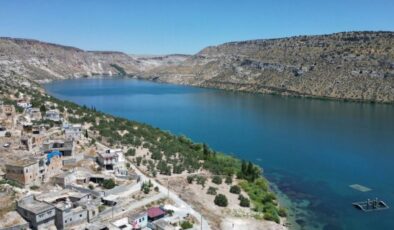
x,y
311,150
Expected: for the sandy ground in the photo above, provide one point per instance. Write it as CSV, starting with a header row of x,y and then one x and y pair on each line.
x,y
233,223
231,217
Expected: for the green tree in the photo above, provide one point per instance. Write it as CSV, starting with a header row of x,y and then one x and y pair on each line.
x,y
221,200
212,191
235,189
109,183
217,179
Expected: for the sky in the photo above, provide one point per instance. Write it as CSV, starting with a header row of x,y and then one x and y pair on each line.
x,y
184,26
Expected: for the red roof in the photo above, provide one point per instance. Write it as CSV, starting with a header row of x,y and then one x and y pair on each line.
x,y
155,212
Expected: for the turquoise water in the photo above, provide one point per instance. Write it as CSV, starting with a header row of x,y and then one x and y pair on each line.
x,y
311,149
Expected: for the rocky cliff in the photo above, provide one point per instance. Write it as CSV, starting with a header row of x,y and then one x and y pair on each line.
x,y
351,65
42,61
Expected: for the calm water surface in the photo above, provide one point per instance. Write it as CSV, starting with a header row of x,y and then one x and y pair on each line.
x,y
311,149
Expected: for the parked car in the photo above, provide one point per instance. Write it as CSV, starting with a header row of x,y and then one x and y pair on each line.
x,y
7,145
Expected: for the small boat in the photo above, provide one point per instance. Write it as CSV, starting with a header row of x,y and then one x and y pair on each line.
x,y
371,205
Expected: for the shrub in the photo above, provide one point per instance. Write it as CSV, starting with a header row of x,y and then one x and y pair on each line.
x,y
190,179
272,216
101,208
229,180
212,191
235,189
130,152
282,212
244,202
201,180
217,179
109,184
186,225
221,200
90,186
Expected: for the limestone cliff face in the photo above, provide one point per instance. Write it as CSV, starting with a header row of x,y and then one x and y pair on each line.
x,y
351,65
41,61
354,65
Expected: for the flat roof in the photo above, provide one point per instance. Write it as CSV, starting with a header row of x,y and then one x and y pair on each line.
x,y
34,205
22,162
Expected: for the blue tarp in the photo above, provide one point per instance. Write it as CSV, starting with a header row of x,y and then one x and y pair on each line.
x,y
52,154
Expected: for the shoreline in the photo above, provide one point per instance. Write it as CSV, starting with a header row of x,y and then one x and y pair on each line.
x,y
108,115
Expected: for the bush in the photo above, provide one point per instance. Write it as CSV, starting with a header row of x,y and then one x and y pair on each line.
x,y
130,152
221,200
235,189
101,208
272,216
201,180
282,212
244,202
212,191
109,184
217,179
186,225
190,179
229,180
90,186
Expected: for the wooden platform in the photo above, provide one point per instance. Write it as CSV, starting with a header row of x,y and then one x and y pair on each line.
x,y
371,205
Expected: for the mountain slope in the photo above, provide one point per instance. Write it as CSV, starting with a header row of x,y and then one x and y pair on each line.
x,y
349,65
42,61
353,65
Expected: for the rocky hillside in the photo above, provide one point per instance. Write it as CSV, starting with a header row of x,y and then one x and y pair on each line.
x,y
41,61
351,65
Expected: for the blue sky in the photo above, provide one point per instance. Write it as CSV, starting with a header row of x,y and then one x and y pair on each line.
x,y
184,26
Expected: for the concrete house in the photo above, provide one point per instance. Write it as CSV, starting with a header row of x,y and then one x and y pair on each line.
x,y
34,171
8,110
53,115
139,220
34,114
63,146
23,104
32,141
67,214
108,159
25,172
65,179
38,213
72,131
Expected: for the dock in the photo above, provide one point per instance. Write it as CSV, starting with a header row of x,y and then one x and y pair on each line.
x,y
371,205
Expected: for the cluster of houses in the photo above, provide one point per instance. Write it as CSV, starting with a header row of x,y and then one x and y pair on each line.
x,y
39,153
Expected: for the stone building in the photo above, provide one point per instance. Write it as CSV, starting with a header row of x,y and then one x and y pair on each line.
x,y
24,171
38,213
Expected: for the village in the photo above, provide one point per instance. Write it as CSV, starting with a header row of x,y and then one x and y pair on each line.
x,y
54,177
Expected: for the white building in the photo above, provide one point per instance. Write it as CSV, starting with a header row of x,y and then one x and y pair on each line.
x,y
53,115
72,131
34,114
23,104
109,158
